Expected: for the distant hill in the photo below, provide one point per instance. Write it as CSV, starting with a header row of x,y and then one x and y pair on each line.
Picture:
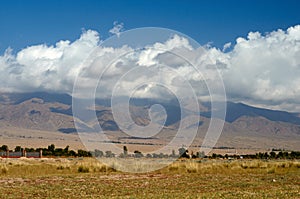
x,y
17,98
237,110
43,103
53,112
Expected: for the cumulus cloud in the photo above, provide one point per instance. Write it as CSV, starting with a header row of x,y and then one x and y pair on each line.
x,y
42,67
266,68
261,69
116,30
226,46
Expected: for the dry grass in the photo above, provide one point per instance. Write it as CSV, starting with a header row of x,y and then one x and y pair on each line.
x,y
88,178
237,166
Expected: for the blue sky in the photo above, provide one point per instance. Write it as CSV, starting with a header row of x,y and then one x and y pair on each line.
x,y
31,22
52,39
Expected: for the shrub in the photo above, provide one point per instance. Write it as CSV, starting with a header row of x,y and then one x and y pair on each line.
x,y
83,169
111,169
103,168
192,167
60,167
271,170
3,169
296,165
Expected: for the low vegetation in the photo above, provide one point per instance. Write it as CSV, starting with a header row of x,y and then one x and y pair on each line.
x,y
52,151
63,173
205,178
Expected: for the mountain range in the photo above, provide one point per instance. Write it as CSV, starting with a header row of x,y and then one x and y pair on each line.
x,y
52,112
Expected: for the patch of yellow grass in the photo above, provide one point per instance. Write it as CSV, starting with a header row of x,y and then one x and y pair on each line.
x,y
237,166
63,166
3,169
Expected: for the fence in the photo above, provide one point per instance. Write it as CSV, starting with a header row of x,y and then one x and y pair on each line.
x,y
18,154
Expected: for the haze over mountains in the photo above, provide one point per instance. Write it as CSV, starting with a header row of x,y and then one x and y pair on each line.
x,y
53,112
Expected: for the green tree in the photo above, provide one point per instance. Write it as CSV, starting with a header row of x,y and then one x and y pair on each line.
x,y
58,152
266,155
109,154
66,150
280,155
98,153
173,155
183,152
200,154
72,153
4,148
125,151
295,154
272,154
83,153
138,154
149,155
18,149
51,148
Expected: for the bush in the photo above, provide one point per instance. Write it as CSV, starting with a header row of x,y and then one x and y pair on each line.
x,y
3,169
82,169
138,154
103,168
271,170
60,167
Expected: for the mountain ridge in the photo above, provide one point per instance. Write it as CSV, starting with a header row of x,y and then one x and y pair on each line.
x,y
244,126
60,105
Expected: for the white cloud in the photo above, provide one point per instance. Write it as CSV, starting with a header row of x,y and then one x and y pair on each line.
x,y
116,30
266,68
226,46
261,69
42,67
149,57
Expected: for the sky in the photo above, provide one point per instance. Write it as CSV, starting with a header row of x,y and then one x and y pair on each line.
x,y
253,45
25,23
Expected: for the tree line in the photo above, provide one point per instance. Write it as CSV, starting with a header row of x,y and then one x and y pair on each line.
x,y
51,150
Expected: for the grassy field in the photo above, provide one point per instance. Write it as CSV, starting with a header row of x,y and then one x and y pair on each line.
x,y
88,178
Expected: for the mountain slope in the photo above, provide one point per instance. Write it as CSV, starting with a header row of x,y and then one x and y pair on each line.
x,y
50,111
245,126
